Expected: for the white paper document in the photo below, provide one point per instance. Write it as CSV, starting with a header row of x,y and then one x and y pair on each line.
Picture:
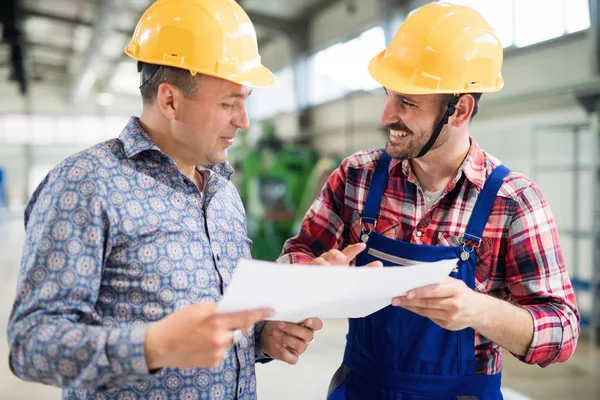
x,y
297,292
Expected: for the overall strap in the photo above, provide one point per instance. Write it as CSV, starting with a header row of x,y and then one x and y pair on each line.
x,y
378,183
484,203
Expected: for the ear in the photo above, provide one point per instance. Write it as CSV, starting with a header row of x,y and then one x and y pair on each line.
x,y
169,99
464,110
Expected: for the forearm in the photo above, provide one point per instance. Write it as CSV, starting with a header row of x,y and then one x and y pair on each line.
x,y
70,355
310,243
505,324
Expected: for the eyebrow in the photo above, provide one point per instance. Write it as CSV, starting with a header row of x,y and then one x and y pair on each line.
x,y
401,96
238,95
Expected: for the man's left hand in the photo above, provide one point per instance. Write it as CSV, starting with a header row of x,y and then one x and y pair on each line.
x,y
450,304
285,341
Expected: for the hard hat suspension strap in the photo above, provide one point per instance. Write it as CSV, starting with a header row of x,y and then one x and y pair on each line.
x,y
451,108
147,71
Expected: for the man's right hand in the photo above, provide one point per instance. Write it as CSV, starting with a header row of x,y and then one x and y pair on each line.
x,y
196,336
344,257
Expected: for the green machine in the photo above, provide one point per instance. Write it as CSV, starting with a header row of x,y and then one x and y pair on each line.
x,y
277,183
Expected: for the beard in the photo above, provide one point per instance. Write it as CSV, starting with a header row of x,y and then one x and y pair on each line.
x,y
409,146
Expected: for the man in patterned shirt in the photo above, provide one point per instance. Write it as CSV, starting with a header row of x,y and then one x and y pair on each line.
x,y
434,194
131,243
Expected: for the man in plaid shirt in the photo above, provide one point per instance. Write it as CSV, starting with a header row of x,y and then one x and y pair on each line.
x,y
434,194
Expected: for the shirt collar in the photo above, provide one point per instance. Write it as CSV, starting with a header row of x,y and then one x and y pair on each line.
x,y
135,141
473,167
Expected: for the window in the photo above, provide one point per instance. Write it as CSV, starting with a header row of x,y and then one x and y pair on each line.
x,y
498,13
522,23
531,26
577,15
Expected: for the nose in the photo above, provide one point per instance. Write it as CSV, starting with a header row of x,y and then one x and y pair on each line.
x,y
241,119
388,115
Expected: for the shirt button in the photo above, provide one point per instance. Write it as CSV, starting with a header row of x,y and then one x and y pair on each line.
x,y
419,233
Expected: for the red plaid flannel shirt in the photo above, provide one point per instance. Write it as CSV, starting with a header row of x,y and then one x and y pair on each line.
x,y
519,259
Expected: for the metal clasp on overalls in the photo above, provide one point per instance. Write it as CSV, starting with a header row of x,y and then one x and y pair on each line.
x,y
365,234
467,248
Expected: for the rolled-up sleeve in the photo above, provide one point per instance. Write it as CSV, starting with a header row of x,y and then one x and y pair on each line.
x,y
538,280
53,335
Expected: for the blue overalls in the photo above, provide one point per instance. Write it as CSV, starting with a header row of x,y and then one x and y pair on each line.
x,y
396,354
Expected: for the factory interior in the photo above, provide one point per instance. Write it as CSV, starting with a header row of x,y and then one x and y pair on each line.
x,y
66,84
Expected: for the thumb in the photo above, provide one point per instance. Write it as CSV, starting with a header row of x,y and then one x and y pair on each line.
x,y
376,264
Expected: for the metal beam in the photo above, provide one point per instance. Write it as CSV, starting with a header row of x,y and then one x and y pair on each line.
x,y
50,46
393,13
88,72
38,70
65,20
317,8
286,26
594,35
299,42
13,34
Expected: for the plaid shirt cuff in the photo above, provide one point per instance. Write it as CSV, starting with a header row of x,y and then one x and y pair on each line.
x,y
295,258
546,345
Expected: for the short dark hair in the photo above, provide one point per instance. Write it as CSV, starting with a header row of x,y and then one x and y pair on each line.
x,y
447,97
180,78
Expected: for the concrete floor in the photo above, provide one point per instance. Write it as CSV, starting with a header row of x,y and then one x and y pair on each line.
x,y
577,379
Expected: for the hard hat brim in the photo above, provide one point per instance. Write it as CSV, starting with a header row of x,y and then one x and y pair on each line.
x,y
390,79
258,77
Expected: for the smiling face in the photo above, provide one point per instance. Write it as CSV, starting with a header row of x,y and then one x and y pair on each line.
x,y
411,120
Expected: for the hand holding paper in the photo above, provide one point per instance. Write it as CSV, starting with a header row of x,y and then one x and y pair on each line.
x,y
298,292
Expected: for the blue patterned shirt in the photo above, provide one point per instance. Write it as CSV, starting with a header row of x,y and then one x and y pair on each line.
x,y
117,238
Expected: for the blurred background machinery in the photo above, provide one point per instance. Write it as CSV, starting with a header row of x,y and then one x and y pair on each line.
x,y
278,182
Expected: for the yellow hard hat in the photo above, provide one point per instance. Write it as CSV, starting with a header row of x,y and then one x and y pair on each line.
x,y
441,48
211,37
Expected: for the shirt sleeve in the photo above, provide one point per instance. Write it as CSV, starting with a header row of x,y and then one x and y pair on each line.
x,y
323,225
53,335
538,280
259,355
